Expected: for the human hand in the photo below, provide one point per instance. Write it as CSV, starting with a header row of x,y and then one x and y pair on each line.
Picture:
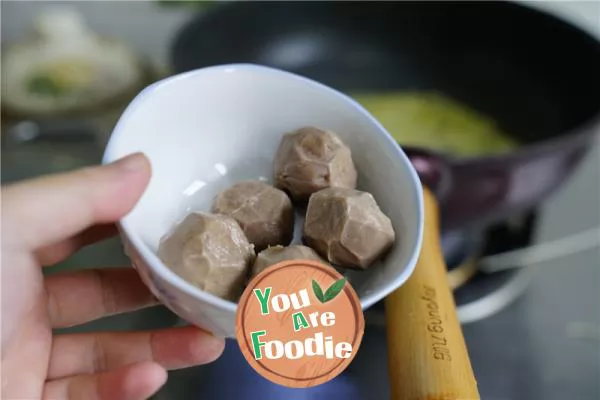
x,y
43,222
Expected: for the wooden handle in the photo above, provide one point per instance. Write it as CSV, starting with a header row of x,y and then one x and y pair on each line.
x,y
427,355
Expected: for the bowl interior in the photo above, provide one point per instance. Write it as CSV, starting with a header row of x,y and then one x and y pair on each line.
x,y
206,129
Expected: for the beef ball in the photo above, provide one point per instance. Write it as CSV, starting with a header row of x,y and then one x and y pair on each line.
x,y
277,254
312,159
347,227
209,251
264,213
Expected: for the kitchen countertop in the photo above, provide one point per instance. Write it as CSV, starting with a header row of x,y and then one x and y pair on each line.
x,y
566,292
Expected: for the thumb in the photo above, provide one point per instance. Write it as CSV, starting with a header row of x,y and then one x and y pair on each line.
x,y
46,210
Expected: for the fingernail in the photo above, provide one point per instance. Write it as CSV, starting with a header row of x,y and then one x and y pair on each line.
x,y
131,163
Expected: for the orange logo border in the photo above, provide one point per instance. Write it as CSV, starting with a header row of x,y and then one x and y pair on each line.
x,y
273,376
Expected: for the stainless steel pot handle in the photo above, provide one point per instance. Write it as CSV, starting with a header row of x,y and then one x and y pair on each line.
x,y
541,252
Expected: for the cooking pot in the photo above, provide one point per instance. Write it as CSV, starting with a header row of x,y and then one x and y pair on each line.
x,y
534,74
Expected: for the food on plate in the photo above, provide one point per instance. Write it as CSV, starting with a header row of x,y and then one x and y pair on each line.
x,y
347,227
311,159
209,251
432,120
264,213
277,254
66,67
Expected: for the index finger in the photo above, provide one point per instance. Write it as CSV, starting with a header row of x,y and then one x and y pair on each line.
x,y
46,210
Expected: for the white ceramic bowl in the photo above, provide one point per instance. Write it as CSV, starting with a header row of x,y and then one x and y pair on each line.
x,y
206,129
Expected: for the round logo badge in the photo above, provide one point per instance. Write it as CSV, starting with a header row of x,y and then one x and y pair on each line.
x,y
299,323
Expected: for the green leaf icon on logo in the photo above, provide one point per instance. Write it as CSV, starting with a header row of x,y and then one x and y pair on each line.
x,y
331,293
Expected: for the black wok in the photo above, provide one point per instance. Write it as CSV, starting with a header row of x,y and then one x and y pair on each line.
x,y
534,74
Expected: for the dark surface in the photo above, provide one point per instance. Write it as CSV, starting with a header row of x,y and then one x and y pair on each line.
x,y
535,75
366,378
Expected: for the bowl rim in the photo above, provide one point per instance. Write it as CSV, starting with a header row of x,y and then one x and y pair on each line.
x,y
158,267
